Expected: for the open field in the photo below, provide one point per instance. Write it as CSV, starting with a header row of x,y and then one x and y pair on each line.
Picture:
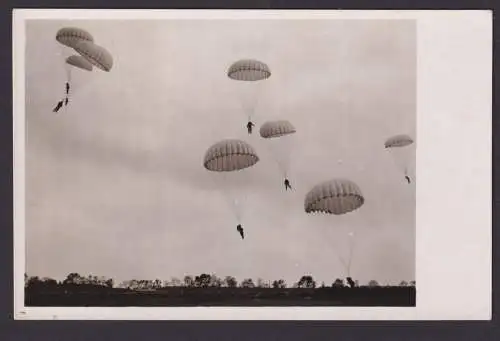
x,y
181,296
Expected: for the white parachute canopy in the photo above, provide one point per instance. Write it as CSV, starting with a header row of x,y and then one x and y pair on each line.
x,y
249,70
336,197
274,129
400,147
230,155
249,73
398,141
278,136
95,54
70,36
79,62
228,160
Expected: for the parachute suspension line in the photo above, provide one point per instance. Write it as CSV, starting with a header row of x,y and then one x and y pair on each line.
x,y
351,251
235,203
277,137
249,100
400,148
331,244
255,99
347,263
337,197
222,183
249,73
227,190
68,73
281,154
230,156
63,53
236,199
275,155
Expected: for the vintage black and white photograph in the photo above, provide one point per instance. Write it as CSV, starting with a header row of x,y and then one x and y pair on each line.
x,y
216,162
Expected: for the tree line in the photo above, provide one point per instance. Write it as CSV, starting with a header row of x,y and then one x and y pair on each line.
x,y
203,280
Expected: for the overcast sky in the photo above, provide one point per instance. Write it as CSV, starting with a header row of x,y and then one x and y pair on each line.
x,y
115,184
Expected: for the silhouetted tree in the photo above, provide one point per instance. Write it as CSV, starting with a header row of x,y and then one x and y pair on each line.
x,y
33,282
230,282
262,283
403,284
110,282
74,278
280,283
123,285
373,283
202,280
91,279
175,282
412,283
247,283
150,284
350,282
49,281
215,281
188,281
132,284
339,283
306,282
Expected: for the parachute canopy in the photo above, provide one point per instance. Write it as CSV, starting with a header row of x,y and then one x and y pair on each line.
x,y
95,54
70,36
79,62
273,129
398,141
337,196
230,155
248,70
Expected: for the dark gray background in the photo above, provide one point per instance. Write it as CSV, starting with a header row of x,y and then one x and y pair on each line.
x,y
269,330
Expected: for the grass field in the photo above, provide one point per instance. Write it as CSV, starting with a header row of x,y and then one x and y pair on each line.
x,y
221,296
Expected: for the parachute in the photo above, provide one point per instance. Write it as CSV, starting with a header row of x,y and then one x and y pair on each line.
x,y
79,62
70,36
337,197
228,160
230,155
278,136
76,61
90,54
275,129
248,72
95,54
400,148
398,141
